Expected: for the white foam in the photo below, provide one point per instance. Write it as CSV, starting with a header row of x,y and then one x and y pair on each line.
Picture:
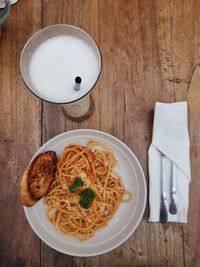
x,y
56,63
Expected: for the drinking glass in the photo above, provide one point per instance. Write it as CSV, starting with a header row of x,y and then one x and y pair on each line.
x,y
80,108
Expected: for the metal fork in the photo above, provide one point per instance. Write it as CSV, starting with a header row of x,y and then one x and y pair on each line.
x,y
163,203
173,206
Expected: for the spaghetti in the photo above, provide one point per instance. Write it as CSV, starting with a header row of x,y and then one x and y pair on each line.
x,y
92,164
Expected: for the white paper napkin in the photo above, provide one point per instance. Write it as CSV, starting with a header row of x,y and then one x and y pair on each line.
x,y
2,3
170,136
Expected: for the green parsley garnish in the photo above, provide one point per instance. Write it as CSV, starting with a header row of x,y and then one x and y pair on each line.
x,y
77,182
87,196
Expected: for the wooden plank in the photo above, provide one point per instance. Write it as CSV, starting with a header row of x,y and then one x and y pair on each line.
x,y
192,228
108,115
186,51
19,137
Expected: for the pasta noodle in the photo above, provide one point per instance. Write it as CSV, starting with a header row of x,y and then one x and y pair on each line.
x,y
93,164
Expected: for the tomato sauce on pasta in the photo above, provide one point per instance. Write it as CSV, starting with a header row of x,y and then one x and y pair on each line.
x,y
93,164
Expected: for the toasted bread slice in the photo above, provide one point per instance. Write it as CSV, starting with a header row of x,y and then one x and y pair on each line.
x,y
38,177
26,199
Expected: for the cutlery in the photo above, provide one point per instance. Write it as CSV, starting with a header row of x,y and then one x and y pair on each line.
x,y
163,203
173,206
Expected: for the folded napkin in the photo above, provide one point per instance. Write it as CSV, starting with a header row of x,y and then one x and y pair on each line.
x,y
170,136
2,3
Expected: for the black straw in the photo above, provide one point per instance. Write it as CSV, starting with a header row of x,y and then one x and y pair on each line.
x,y
77,83
78,79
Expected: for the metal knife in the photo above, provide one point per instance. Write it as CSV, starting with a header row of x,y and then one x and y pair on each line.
x,y
163,203
173,191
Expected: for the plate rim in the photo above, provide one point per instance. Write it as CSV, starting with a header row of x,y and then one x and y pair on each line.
x,y
144,187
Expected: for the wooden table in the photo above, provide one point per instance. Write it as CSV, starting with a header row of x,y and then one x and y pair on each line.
x,y
151,52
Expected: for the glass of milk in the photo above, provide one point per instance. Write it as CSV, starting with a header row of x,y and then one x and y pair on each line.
x,y
61,64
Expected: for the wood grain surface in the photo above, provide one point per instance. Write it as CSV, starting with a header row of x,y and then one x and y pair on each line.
x,y
151,52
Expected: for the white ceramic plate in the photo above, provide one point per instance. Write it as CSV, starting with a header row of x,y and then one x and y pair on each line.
x,y
128,216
